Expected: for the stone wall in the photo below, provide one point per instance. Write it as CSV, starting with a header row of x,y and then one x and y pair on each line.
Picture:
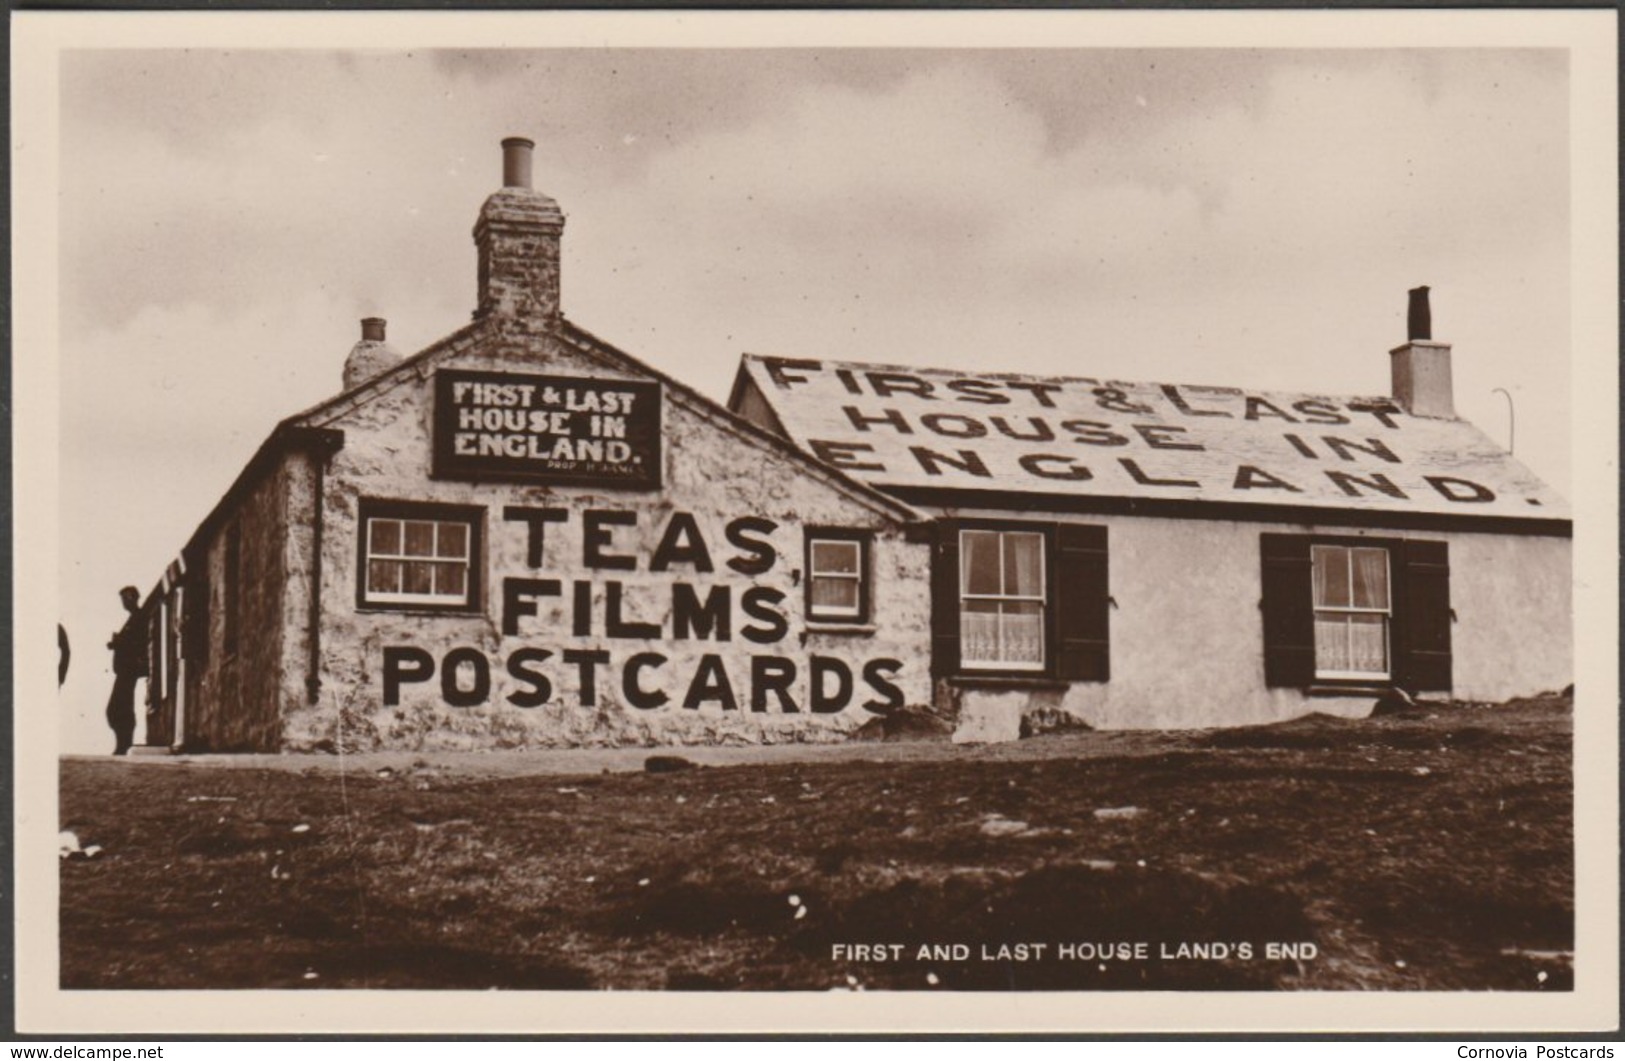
x,y
714,474
234,697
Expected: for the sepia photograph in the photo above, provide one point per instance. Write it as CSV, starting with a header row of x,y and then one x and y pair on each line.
x,y
879,513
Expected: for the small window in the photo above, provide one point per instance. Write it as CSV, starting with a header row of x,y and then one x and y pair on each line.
x,y
1002,600
837,576
419,556
1353,611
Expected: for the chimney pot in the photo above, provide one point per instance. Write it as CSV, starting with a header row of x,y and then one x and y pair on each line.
x,y
1421,368
370,356
1419,319
517,236
516,154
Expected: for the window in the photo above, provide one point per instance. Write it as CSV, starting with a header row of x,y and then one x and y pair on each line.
x,y
1352,611
1013,601
1001,600
837,576
419,556
1341,612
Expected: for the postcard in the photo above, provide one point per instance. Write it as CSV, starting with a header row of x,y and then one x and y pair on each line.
x,y
927,521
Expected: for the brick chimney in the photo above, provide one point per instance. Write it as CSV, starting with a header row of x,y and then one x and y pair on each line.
x,y
518,235
1421,368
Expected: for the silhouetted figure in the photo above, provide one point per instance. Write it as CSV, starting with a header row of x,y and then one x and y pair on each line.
x,y
129,647
62,655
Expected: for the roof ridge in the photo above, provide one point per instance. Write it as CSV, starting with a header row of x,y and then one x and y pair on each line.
x,y
1101,381
879,498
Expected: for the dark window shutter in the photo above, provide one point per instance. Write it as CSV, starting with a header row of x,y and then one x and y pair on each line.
x,y
1082,604
1422,610
945,600
195,613
1289,612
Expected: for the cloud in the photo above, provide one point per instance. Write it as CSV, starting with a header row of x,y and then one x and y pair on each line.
x,y
937,218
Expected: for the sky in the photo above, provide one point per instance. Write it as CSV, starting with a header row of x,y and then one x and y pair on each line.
x,y
1239,217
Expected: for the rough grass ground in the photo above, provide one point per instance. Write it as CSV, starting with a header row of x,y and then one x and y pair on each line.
x,y
1430,850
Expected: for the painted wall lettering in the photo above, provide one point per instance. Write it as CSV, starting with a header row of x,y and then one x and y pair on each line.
x,y
651,611
645,681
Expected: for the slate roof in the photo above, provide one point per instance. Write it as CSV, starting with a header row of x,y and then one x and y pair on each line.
x,y
925,434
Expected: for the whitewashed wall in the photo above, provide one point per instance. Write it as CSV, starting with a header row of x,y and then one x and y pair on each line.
x,y
1187,633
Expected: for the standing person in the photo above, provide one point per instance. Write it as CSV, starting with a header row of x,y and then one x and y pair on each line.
x,y
129,647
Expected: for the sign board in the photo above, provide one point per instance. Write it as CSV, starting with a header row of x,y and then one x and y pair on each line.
x,y
556,430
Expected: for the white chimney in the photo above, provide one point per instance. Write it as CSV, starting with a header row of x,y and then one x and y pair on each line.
x,y
1421,368
370,356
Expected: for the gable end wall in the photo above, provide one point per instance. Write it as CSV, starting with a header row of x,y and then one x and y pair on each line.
x,y
713,473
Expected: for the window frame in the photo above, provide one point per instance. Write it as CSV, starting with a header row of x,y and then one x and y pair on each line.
x,y
1049,642
471,517
1421,652
864,577
1388,613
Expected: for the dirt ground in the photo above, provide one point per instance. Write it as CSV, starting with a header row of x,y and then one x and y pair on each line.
x,y
1429,850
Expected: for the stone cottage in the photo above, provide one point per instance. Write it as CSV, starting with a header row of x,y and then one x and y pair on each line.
x,y
521,537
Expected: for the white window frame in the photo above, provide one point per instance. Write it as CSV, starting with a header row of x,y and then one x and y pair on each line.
x,y
1041,599
402,515
858,576
1387,613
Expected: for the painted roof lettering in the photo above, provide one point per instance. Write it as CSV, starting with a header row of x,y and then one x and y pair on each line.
x,y
907,428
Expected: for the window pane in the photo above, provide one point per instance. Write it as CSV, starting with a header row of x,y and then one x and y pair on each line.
x,y
386,536
384,576
1371,578
1023,565
979,561
417,577
835,557
1022,632
419,538
995,629
1368,644
1331,643
451,580
979,631
419,561
1331,576
453,540
836,594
